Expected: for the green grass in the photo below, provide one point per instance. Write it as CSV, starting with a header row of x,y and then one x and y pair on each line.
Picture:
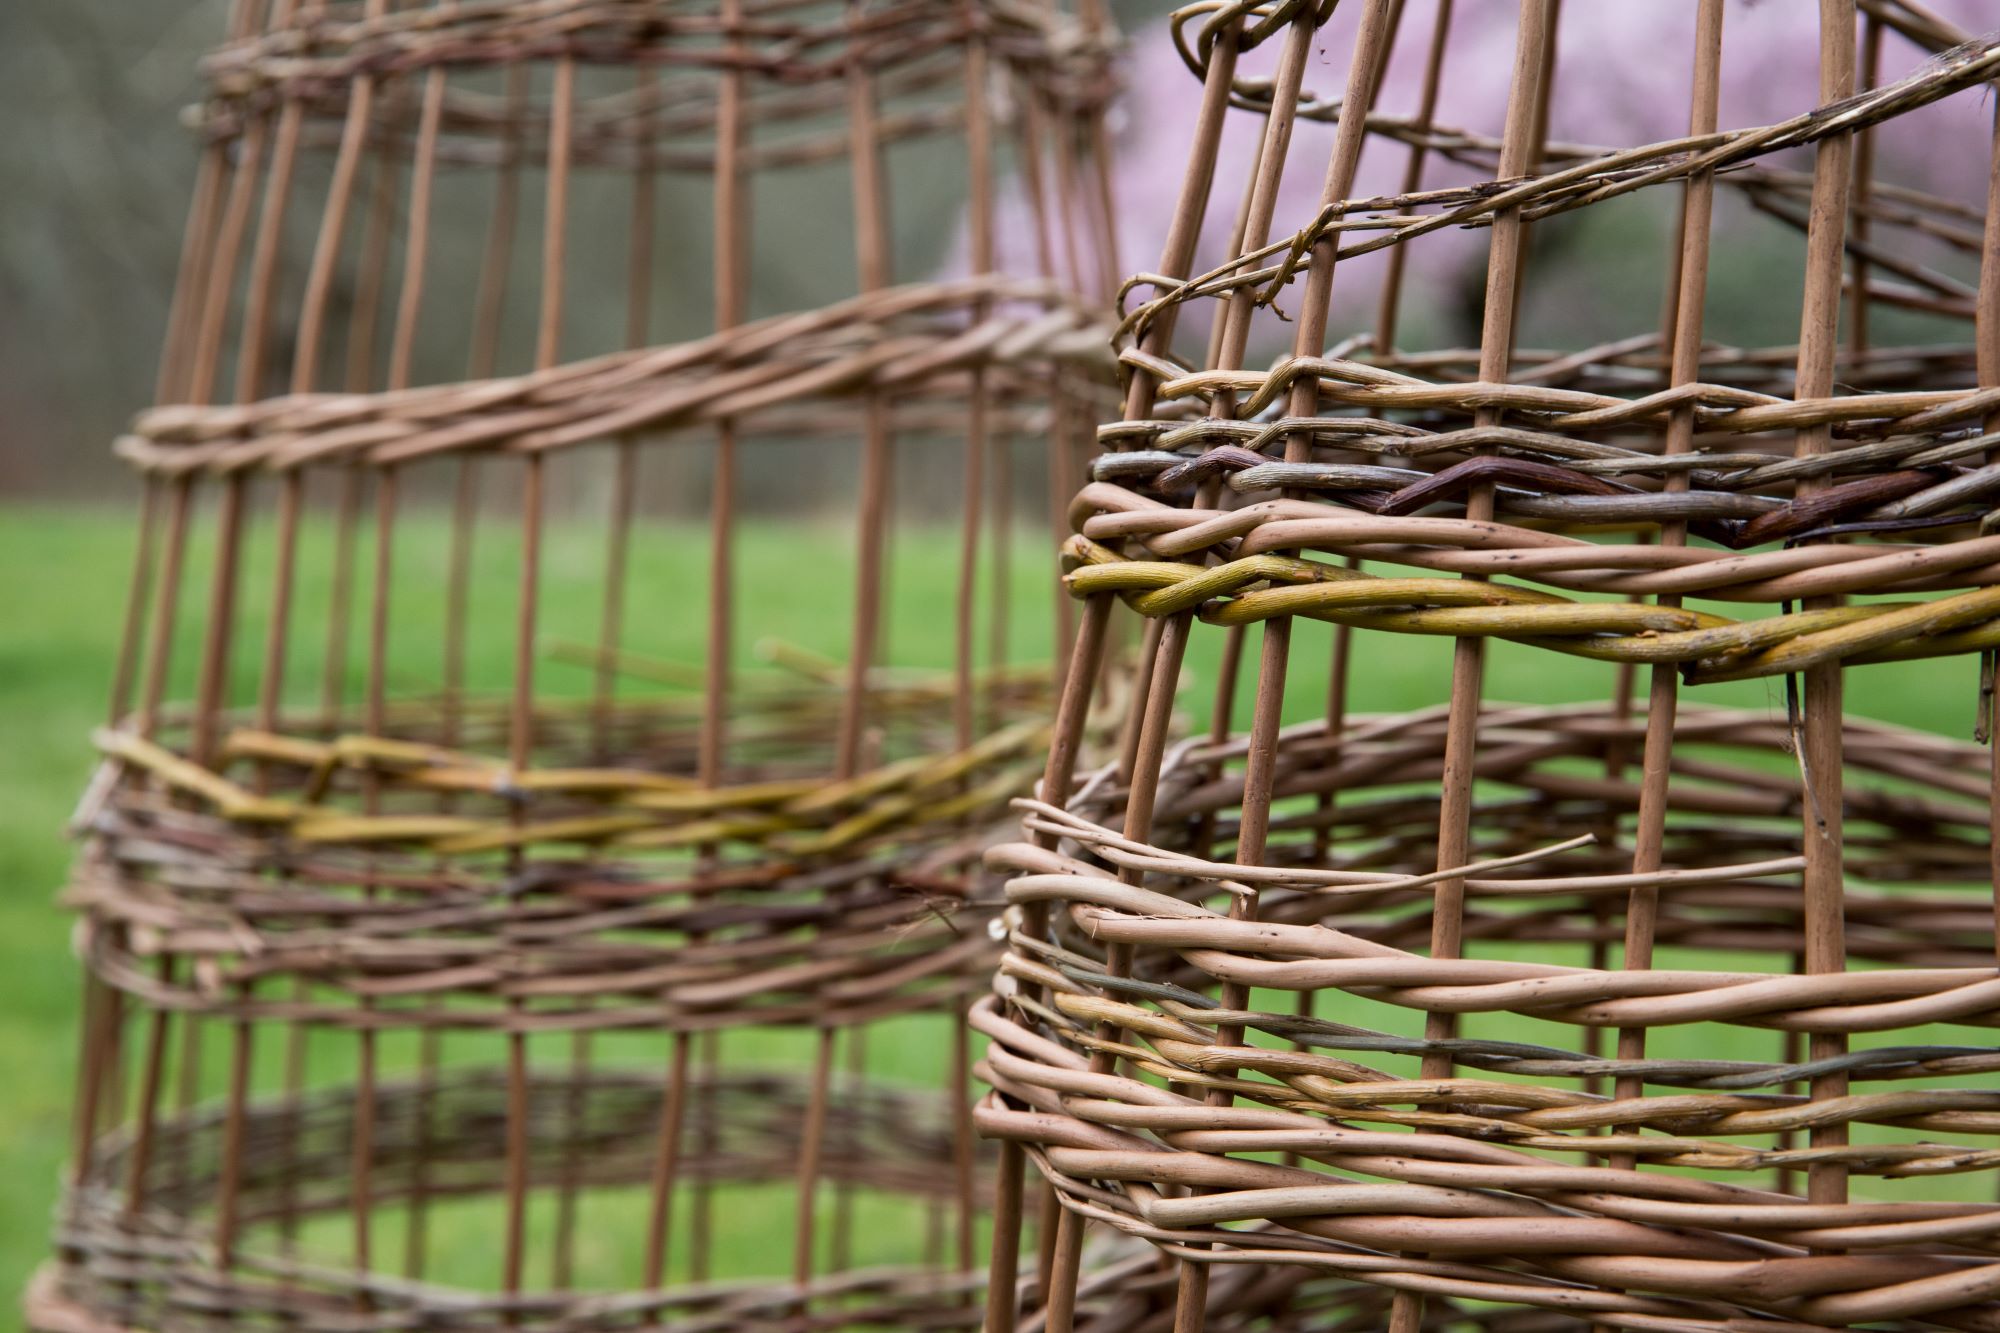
x,y
67,571
55,629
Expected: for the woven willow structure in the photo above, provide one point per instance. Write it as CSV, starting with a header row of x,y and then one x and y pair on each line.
x,y
440,932
1644,1012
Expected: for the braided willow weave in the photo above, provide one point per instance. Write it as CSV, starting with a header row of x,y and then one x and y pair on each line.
x,y
443,1141
437,928
1638,1013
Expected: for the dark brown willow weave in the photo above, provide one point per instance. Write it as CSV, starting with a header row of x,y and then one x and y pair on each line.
x,y
1454,1006
435,992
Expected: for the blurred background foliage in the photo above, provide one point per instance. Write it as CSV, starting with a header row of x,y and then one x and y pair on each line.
x,y
94,180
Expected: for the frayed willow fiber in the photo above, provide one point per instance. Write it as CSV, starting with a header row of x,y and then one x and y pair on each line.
x,y
1635,1014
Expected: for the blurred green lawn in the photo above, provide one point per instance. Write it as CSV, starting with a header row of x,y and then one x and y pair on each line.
x,y
67,570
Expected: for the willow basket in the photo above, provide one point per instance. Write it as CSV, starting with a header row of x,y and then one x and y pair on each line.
x,y
444,909
1634,1011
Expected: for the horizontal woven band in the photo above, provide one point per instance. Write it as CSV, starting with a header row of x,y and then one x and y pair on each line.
x,y
917,342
